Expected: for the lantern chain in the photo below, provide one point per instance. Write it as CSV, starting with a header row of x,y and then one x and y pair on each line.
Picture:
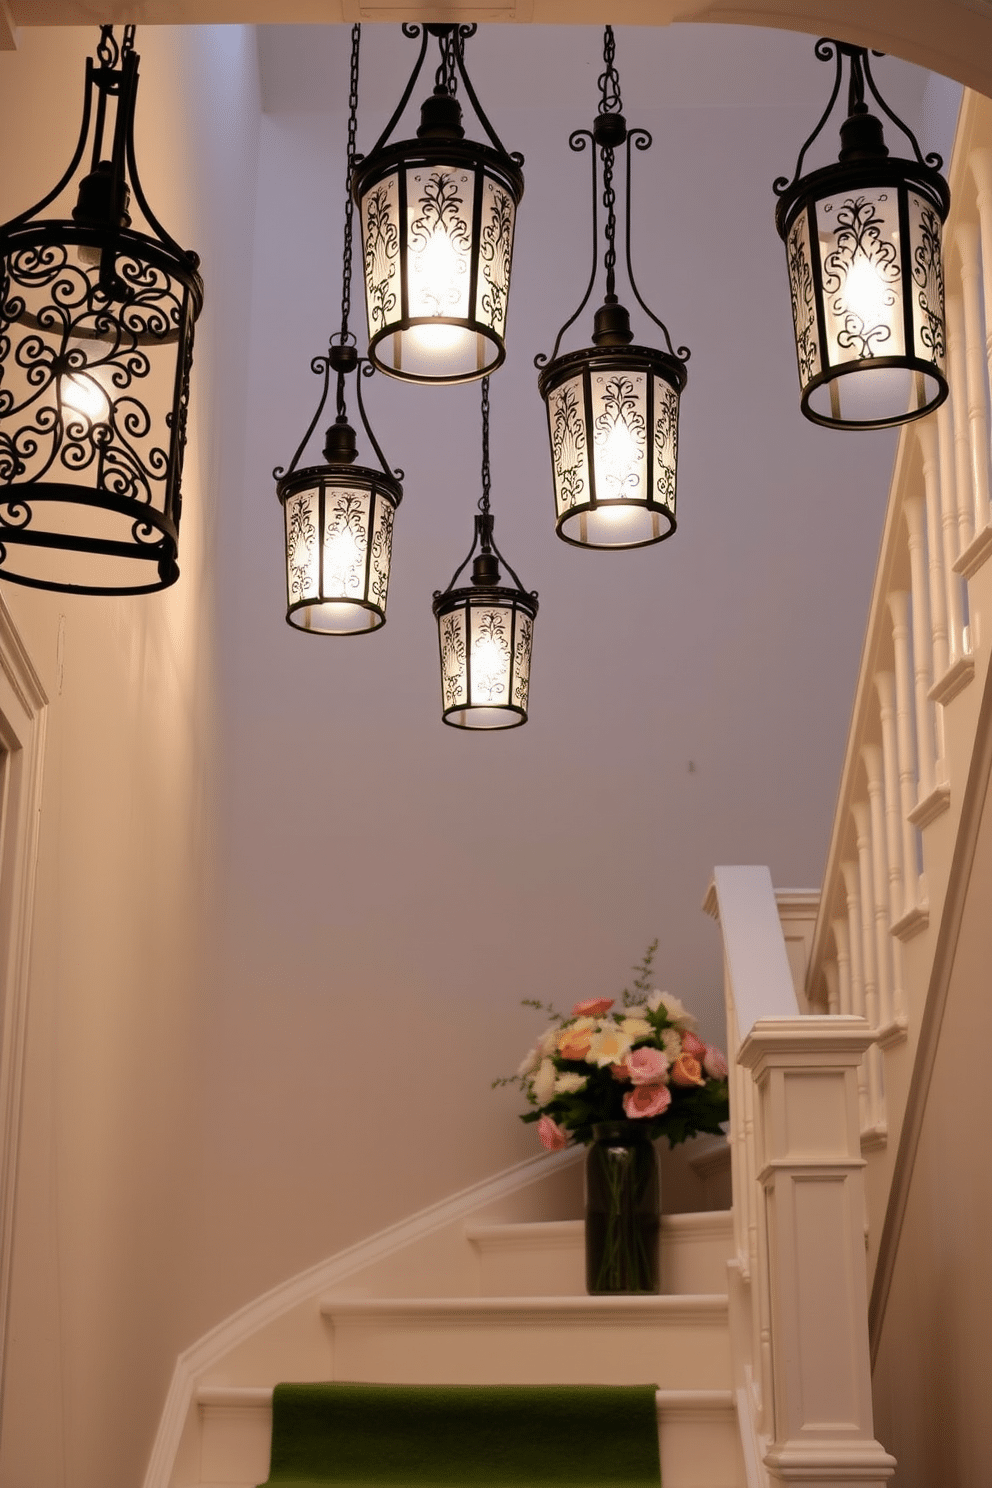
x,y
108,52
349,205
446,77
609,85
486,478
609,78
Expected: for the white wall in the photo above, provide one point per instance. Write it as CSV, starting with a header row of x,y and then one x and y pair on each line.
x,y
105,1222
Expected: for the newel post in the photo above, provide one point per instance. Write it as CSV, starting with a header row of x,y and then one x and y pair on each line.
x,y
810,1168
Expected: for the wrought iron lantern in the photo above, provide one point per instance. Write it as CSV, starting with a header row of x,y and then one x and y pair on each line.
x,y
863,242
96,345
485,628
613,407
437,215
339,515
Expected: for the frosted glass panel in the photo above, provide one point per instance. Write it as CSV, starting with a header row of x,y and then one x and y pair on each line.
x,y
490,654
928,281
569,455
666,442
439,240
803,304
381,253
346,532
454,683
302,546
521,660
619,435
862,278
495,250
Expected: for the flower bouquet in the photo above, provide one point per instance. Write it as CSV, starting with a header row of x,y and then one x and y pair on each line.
x,y
618,1078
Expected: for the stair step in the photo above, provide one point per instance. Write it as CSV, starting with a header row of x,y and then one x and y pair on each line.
x,y
544,1259
697,1433
679,1341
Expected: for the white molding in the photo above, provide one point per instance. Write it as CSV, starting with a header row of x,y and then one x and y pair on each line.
x,y
259,1397
23,720
913,922
931,806
512,1312
954,680
975,554
318,1280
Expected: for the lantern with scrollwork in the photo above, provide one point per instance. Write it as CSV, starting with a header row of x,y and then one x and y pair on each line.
x,y
485,628
437,220
863,242
96,345
613,407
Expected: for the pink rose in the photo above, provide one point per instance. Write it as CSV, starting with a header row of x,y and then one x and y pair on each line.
x,y
553,1138
687,1071
646,1066
593,1007
693,1045
646,1100
715,1063
620,1072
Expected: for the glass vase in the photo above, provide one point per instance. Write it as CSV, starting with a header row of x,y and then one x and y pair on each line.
x,y
622,1210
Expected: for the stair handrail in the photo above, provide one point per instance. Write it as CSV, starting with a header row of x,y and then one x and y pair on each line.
x,y
798,1281
922,675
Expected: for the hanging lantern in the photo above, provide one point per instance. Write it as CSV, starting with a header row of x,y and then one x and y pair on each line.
x,y
339,520
863,242
339,516
485,629
96,345
437,216
613,407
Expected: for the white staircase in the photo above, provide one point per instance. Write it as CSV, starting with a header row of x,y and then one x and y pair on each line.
x,y
530,1323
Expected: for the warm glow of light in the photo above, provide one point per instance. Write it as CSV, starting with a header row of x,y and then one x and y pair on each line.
x,y
866,293
343,560
618,458
490,659
82,394
436,339
440,272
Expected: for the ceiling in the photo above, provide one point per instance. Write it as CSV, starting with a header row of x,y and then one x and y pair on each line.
x,y
953,37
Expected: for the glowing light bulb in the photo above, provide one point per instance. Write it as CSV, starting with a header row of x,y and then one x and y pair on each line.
x,y
866,293
618,458
439,267
82,394
343,559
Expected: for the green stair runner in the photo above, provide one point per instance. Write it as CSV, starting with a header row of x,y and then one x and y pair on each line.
x,y
451,1436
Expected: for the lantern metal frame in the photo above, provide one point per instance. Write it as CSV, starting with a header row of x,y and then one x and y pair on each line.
x,y
381,186
345,502
616,366
493,600
912,266
69,288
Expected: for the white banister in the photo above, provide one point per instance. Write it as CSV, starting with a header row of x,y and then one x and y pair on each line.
x,y
958,400
967,245
925,744
810,1170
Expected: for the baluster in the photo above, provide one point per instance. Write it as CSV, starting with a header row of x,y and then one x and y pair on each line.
x,y
849,871
885,684
980,162
926,434
830,981
966,239
842,941
862,824
905,745
925,743
949,535
957,377
871,754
